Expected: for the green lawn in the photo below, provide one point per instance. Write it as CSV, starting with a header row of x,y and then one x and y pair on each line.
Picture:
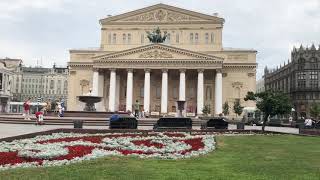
x,y
242,157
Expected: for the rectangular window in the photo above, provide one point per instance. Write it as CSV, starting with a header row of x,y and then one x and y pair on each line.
x,y
191,38
51,84
114,38
301,75
301,84
313,75
207,38
124,38
196,38
129,38
314,83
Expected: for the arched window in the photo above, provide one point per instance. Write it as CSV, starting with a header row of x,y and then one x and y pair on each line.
x,y
197,38
129,38
191,38
207,38
212,38
177,38
142,38
124,38
114,38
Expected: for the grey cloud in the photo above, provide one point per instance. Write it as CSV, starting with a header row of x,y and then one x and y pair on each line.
x,y
49,28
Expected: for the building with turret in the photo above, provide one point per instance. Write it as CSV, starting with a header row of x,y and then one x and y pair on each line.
x,y
299,78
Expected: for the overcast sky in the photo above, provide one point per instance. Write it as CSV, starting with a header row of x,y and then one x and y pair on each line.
x,y
46,29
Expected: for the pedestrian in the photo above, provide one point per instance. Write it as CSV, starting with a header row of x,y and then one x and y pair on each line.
x,y
136,109
39,117
26,108
308,123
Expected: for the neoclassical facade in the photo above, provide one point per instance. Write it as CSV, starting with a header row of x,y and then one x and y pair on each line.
x,y
191,65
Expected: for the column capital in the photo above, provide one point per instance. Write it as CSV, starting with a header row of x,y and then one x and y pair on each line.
x,y
130,70
200,70
182,70
95,69
164,70
112,69
147,70
218,70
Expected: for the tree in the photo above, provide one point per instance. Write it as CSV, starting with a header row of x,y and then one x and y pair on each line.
x,y
237,108
206,110
226,108
270,103
315,110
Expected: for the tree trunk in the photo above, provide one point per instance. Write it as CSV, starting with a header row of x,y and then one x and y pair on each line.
x,y
265,119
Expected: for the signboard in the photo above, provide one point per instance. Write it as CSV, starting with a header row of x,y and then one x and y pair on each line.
x,y
0,81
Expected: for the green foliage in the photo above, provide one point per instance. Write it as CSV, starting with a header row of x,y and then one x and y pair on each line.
x,y
315,110
237,108
270,103
206,110
226,108
236,158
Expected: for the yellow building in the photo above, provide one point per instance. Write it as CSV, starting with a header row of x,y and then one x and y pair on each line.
x,y
191,65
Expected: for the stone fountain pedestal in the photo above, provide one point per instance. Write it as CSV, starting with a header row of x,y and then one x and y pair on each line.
x,y
90,101
180,107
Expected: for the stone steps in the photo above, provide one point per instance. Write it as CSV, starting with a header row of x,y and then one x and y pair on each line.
x,y
69,121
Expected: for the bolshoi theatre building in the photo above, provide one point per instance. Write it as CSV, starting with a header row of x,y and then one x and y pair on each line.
x,y
190,65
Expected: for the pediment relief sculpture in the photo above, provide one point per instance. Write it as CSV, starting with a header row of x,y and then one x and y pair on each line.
x,y
156,54
161,15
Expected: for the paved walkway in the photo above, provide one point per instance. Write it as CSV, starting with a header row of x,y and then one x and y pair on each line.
x,y
7,130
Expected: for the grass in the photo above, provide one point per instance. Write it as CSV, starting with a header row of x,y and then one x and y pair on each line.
x,y
241,157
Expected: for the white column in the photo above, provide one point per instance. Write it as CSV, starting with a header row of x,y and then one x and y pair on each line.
x,y
146,103
101,106
112,90
200,92
218,92
182,85
164,92
95,83
129,90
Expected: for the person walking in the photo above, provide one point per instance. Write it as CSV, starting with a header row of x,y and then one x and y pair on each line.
x,y
26,108
136,109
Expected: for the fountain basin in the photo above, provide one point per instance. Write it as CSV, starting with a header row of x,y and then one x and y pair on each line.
x,y
90,101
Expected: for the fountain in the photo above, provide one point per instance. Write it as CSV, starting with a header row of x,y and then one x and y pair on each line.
x,y
180,107
90,101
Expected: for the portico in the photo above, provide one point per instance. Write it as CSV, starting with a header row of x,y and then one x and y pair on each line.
x,y
136,75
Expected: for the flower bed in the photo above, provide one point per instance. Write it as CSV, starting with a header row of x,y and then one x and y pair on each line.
x,y
65,148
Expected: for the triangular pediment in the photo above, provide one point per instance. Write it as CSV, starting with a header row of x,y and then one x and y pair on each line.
x,y
157,52
162,13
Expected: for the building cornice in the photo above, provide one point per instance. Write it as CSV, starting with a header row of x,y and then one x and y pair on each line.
x,y
160,47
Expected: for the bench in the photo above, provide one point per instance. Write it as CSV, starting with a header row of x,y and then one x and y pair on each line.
x,y
173,123
124,123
